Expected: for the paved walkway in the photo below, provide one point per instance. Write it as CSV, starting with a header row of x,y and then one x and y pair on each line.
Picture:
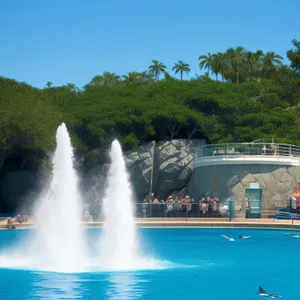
x,y
192,222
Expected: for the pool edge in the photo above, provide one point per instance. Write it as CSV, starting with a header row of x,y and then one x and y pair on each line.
x,y
190,223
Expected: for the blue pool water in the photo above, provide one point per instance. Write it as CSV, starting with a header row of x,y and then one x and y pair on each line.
x,y
207,267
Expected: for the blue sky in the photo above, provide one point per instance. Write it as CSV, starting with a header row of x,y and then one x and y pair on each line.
x,y
71,41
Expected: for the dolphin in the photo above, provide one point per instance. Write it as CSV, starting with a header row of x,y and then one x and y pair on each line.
x,y
263,293
228,238
292,235
244,236
296,236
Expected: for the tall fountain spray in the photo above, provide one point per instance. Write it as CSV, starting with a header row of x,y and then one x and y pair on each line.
x,y
58,242
119,249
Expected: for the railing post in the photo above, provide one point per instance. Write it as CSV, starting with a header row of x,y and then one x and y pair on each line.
x,y
231,209
290,147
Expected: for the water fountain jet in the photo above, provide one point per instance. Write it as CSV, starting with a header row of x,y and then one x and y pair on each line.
x,y
119,243
59,234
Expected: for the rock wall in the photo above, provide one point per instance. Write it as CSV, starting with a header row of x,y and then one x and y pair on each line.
x,y
162,168
230,181
173,166
167,168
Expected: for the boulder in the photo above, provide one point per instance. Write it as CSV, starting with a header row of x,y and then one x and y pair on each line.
x,y
17,191
173,165
140,166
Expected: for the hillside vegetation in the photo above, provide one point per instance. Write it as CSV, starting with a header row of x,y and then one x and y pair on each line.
x,y
244,96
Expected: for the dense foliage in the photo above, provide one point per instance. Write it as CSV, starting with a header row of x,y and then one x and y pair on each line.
x,y
257,99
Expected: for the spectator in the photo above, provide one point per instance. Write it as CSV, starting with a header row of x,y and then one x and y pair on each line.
x,y
155,201
169,203
203,206
176,204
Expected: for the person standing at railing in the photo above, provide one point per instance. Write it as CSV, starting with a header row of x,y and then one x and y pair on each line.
x,y
169,204
264,149
189,203
297,196
176,204
215,204
274,147
202,206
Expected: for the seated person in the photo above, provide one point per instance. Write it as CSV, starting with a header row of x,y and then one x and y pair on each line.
x,y
19,219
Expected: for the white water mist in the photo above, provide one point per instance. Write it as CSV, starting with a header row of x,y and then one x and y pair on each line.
x,y
59,241
119,242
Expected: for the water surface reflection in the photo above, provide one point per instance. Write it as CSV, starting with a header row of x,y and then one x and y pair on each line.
x,y
124,286
48,285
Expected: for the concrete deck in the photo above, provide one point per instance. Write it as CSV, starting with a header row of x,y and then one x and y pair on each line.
x,y
191,223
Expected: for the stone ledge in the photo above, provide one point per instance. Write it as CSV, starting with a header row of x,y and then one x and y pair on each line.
x,y
196,223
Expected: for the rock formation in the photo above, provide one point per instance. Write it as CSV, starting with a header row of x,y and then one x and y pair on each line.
x,y
166,168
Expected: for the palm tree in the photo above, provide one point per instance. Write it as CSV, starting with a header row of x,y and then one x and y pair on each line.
x,y
144,77
218,65
206,61
271,62
253,64
106,79
131,78
156,68
49,84
181,67
72,87
236,62
111,79
258,63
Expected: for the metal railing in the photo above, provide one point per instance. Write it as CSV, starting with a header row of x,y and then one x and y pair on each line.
x,y
254,209
247,149
171,210
285,215
249,209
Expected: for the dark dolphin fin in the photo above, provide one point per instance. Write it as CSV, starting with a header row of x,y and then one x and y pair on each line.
x,y
261,290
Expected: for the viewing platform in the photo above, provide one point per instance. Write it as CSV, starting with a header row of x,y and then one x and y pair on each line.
x,y
247,153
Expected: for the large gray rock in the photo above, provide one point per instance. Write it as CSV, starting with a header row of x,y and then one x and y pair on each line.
x,y
164,168
17,191
140,164
94,184
173,165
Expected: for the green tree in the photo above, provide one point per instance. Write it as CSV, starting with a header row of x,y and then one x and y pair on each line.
x,y
270,63
206,61
182,68
156,69
218,65
235,63
144,78
131,78
27,122
253,67
49,84
294,55
107,79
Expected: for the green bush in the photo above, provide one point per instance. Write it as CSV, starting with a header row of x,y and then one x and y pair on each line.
x,y
130,142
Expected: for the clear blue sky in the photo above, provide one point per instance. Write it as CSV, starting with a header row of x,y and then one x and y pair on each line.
x,y
71,41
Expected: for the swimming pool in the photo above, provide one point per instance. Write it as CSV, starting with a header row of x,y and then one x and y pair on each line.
x,y
207,266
